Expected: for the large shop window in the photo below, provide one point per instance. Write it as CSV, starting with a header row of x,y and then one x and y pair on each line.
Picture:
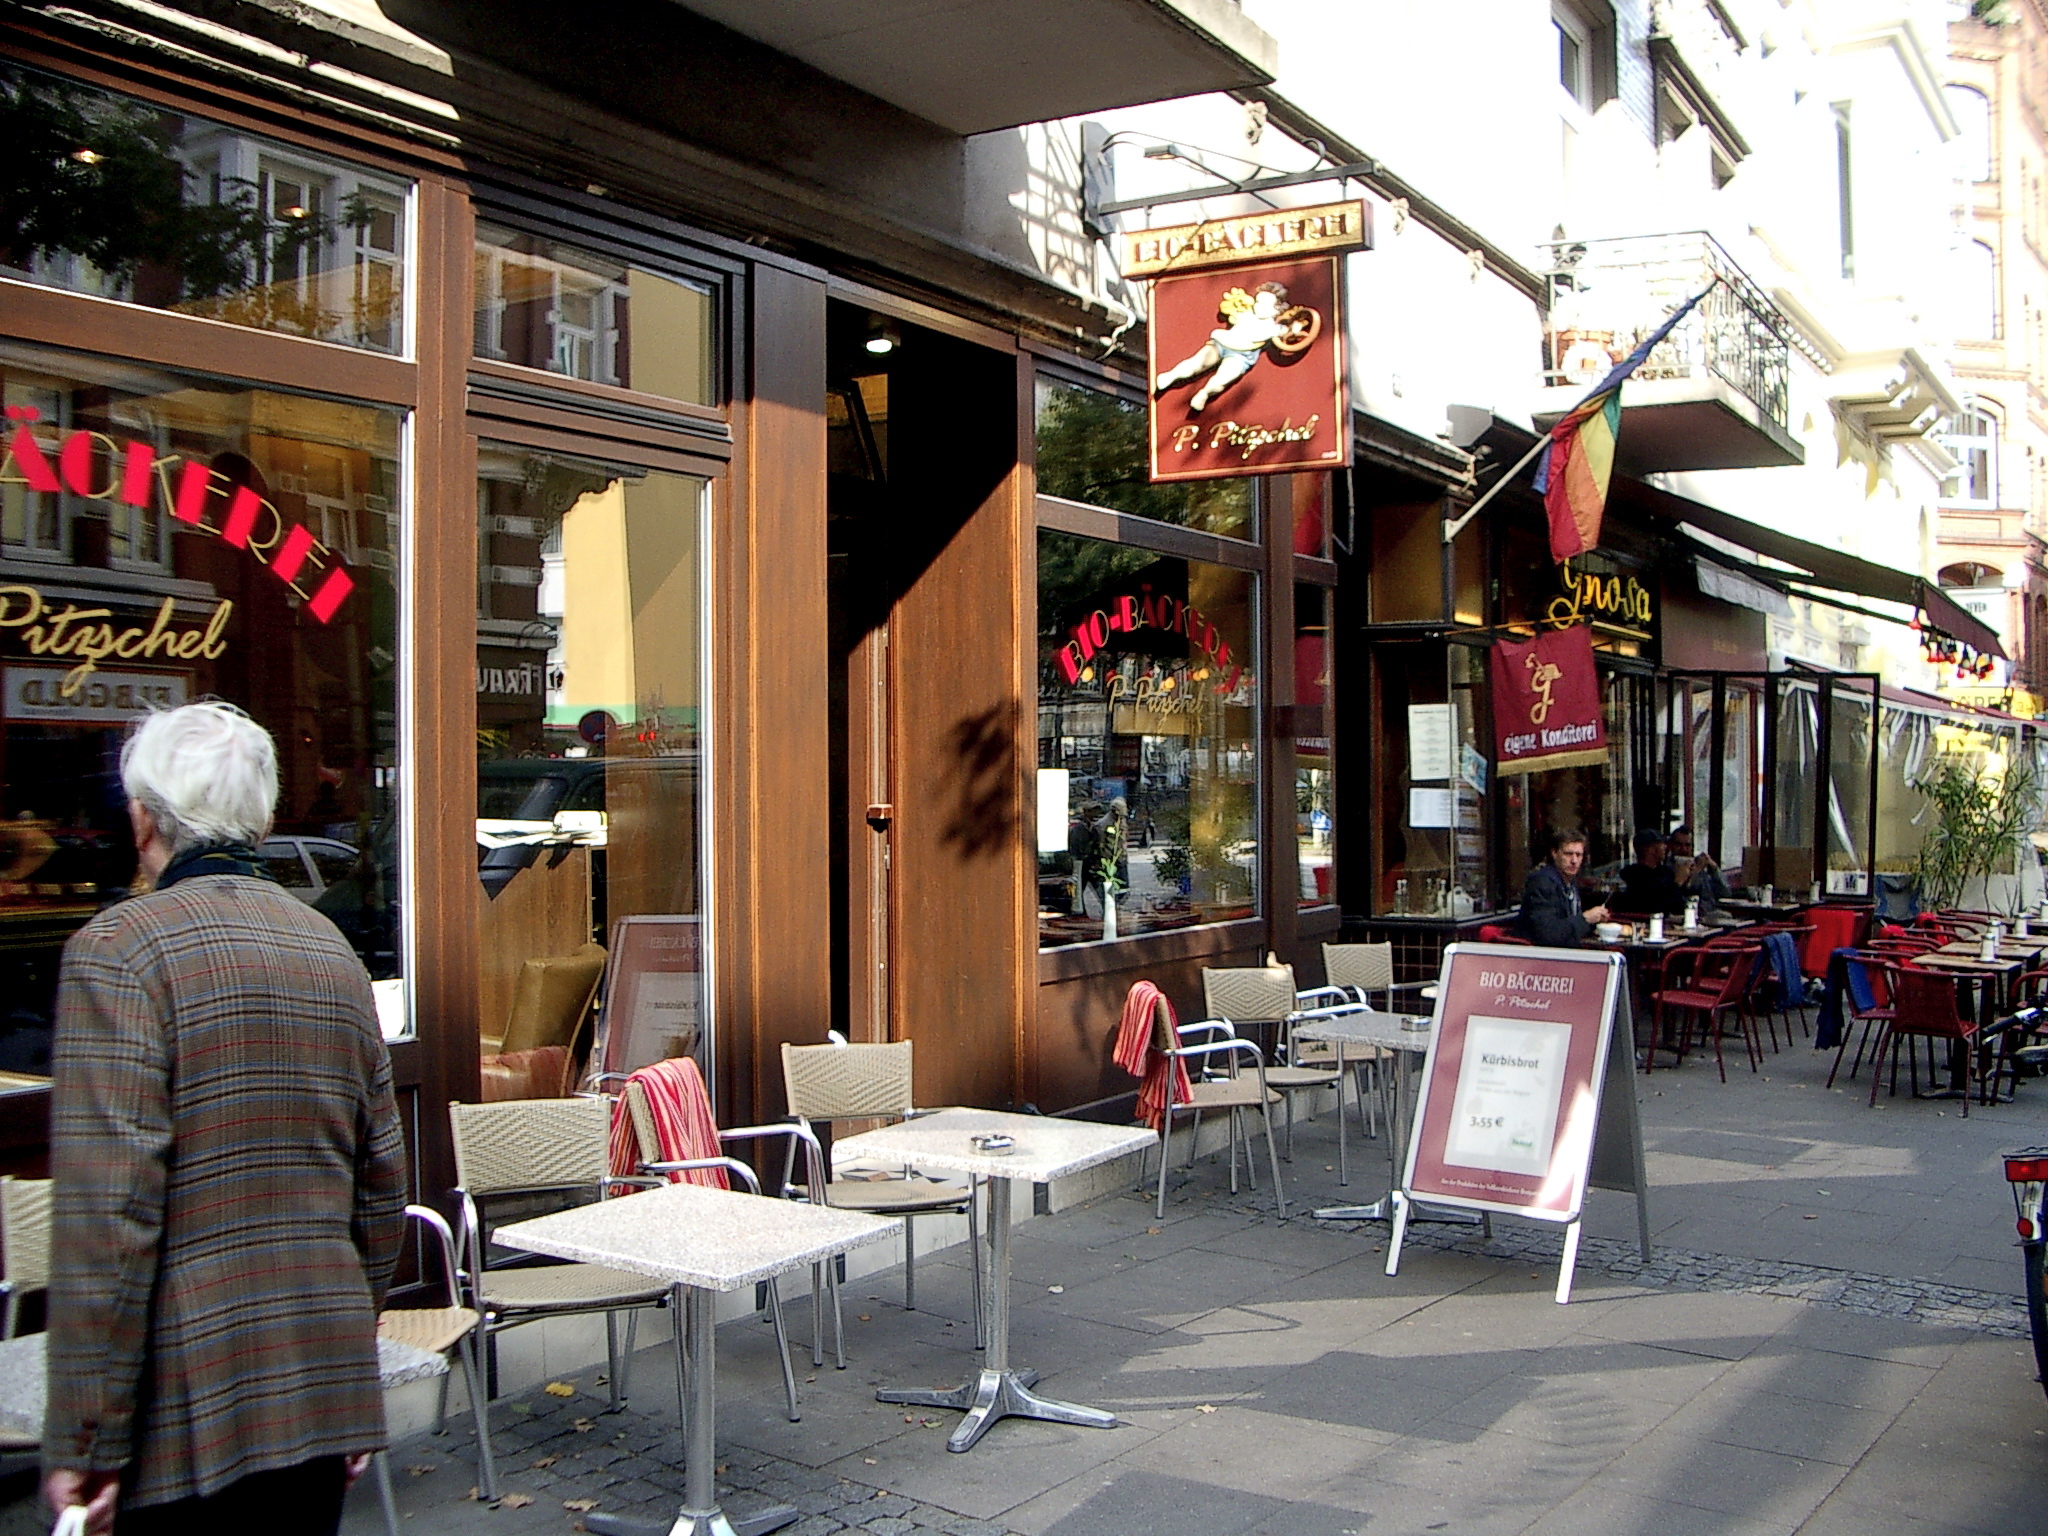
x,y
125,200
165,538
541,304
1147,747
1091,447
589,718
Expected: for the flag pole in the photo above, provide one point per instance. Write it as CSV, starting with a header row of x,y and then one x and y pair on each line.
x,y
1452,528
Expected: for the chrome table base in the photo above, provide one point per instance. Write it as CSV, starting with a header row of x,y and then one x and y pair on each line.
x,y
999,1395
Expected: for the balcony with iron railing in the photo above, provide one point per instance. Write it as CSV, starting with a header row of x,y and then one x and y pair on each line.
x,y
1714,394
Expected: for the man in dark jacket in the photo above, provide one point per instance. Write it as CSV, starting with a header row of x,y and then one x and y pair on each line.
x,y
1648,885
229,1172
1550,913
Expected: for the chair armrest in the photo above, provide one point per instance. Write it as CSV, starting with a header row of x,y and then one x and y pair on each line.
x,y
469,1245
729,1164
1306,996
795,1133
1229,1048
433,1219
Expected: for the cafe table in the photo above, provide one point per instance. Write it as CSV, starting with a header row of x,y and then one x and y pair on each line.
x,y
1002,1148
1407,1037
702,1241
1764,911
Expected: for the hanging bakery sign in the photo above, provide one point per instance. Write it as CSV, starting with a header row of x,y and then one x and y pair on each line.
x,y
1247,347
1546,702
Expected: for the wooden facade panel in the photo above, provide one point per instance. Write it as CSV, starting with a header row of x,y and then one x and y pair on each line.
x,y
961,748
772,800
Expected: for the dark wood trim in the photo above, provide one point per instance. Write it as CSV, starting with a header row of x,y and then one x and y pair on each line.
x,y
881,300
605,401
1085,369
1315,570
1168,538
442,665
527,402
1280,868
513,428
1077,960
82,323
148,80
1318,922
1029,1087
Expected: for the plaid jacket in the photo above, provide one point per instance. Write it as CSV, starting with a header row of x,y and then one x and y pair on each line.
x,y
229,1198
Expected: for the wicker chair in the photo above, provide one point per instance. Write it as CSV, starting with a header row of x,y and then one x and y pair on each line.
x,y
416,1342
24,1245
662,1163
1217,1049
556,1148
1266,993
873,1082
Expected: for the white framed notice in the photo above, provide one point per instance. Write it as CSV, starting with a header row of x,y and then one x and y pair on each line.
x,y
1429,742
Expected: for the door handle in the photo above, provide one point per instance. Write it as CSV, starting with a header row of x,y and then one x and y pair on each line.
x,y
880,816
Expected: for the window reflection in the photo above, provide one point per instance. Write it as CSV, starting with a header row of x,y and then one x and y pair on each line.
x,y
170,538
118,198
1314,783
1091,447
587,678
542,304
1146,749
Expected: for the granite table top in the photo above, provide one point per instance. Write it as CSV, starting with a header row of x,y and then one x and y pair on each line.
x,y
1389,1031
687,1234
1046,1147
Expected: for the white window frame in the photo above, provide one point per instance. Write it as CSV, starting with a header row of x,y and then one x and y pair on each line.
x,y
1963,488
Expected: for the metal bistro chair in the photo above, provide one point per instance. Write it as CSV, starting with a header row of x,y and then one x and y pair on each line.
x,y
542,1148
1233,1094
1709,982
873,1082
659,1165
24,1246
1924,1008
1265,994
415,1342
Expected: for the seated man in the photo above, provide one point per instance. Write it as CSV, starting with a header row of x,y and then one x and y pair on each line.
x,y
1550,912
1647,885
1696,873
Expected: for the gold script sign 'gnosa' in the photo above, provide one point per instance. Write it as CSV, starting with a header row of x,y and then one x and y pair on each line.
x,y
1255,237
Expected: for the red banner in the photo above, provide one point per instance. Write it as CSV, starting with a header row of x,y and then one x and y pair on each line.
x,y
1546,702
1248,371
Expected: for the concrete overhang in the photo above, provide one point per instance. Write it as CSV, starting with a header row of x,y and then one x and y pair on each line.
x,y
973,66
1701,422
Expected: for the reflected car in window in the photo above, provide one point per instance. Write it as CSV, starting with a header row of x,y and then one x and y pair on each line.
x,y
306,866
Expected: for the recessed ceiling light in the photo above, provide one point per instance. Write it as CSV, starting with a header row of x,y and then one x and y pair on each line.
x,y
881,346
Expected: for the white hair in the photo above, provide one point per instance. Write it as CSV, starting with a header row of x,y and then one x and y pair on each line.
x,y
206,772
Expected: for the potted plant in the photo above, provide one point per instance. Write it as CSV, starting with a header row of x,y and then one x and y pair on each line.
x,y
1983,821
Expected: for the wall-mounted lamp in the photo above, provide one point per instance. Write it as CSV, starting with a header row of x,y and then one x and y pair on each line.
x,y
882,338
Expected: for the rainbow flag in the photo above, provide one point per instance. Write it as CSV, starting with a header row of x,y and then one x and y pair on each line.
x,y
1578,461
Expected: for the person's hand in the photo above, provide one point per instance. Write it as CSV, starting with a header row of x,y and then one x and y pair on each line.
x,y
355,1466
1596,914
95,1490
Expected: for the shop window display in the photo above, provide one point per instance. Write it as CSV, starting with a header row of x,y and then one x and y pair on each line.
x,y
541,304
1092,448
1314,783
589,713
125,200
170,538
1147,703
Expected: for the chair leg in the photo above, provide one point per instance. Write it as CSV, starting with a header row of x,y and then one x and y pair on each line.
x,y
1885,1041
1194,1136
385,1497
441,1409
679,1338
8,1309
782,1348
1165,1138
472,1373
1272,1157
1232,1126
818,1315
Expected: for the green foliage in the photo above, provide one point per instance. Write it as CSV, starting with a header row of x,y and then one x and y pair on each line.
x,y
97,177
1982,826
1092,448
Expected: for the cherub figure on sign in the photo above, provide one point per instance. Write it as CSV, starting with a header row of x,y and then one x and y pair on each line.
x,y
1252,322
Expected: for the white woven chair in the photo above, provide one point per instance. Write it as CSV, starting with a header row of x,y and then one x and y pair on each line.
x,y
873,1082
24,1245
542,1147
1216,1059
416,1343
1265,994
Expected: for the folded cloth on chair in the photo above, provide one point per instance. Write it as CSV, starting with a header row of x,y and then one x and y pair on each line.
x,y
683,1127
1783,952
1138,1054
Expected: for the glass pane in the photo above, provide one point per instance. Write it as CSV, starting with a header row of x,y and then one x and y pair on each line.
x,y
1091,447
275,590
1314,784
1797,774
1312,514
1849,826
541,304
1147,747
588,677
118,198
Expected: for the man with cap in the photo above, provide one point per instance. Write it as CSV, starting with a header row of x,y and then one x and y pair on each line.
x,y
1647,885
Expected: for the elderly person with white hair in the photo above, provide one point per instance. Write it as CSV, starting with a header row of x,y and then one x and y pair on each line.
x,y
230,1173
